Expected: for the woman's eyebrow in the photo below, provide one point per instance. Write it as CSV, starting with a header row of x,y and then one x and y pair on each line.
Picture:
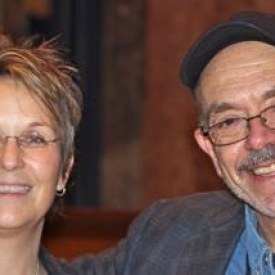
x,y
40,124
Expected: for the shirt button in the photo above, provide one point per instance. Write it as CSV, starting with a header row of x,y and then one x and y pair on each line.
x,y
266,259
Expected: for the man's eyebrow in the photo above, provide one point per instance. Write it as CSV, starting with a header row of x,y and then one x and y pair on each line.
x,y
216,108
269,94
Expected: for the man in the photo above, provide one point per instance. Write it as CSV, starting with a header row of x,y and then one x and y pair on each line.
x,y
231,72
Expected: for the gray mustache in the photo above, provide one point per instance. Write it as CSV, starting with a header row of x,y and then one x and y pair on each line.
x,y
256,157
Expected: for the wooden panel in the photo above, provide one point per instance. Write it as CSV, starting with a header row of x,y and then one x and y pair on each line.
x,y
122,93
173,163
81,230
149,117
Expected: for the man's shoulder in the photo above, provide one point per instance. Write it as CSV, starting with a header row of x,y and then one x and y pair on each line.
x,y
202,210
208,203
171,227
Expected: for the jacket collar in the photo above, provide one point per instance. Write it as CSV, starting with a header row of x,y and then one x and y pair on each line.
x,y
210,250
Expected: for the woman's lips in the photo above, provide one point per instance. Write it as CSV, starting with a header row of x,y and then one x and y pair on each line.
x,y
19,189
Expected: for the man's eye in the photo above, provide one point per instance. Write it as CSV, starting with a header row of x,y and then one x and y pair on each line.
x,y
230,122
34,140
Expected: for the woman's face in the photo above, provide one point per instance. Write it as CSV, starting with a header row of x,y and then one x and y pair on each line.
x,y
29,177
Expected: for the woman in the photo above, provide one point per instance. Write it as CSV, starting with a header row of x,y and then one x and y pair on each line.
x,y
40,109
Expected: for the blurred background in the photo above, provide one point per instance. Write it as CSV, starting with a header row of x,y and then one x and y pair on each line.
x,y
135,143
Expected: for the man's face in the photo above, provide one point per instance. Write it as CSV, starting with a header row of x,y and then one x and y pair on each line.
x,y
240,82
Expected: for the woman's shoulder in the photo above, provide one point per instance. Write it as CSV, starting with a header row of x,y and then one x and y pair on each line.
x,y
55,266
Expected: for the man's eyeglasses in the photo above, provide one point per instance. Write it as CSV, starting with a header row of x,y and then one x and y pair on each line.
x,y
28,141
232,130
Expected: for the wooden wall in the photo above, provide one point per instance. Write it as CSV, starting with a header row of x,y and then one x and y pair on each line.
x,y
148,150
80,231
149,117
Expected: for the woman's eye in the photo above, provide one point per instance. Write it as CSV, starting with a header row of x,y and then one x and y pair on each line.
x,y
34,139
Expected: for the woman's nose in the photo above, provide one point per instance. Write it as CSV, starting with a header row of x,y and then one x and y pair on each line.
x,y
10,154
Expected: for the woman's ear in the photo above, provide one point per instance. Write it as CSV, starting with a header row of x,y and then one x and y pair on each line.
x,y
66,172
206,145
68,168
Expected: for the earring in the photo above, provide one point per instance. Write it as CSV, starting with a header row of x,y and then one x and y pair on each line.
x,y
60,193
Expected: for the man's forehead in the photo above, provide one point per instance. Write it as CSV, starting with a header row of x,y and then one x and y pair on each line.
x,y
248,61
239,56
239,71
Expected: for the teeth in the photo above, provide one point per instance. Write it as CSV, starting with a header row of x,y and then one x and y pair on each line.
x,y
14,189
265,171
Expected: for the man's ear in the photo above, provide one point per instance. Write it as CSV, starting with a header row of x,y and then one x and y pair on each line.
x,y
206,145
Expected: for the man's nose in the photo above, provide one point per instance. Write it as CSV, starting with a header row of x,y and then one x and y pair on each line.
x,y
259,134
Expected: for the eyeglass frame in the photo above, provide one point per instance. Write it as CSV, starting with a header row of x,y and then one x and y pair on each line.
x,y
205,129
22,142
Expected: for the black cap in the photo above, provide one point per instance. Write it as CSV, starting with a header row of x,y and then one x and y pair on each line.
x,y
245,26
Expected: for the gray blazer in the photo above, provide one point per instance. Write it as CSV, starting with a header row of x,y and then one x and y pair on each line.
x,y
193,235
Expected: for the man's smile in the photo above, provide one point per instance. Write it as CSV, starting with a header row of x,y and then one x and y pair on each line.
x,y
267,170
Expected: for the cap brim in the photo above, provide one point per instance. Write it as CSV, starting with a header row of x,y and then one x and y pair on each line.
x,y
212,42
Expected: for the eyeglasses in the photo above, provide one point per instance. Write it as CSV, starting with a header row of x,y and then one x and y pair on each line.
x,y
28,141
235,129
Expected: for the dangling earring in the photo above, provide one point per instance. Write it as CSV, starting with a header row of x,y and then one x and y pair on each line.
x,y
60,193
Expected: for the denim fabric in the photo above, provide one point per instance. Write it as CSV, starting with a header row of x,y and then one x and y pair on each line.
x,y
252,254
238,262
259,253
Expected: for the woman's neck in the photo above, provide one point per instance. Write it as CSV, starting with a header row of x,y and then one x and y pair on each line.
x,y
19,251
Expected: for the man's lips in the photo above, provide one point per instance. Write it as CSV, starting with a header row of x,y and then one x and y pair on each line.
x,y
263,170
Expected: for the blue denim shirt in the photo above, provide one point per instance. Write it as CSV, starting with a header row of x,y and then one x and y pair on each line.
x,y
252,254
